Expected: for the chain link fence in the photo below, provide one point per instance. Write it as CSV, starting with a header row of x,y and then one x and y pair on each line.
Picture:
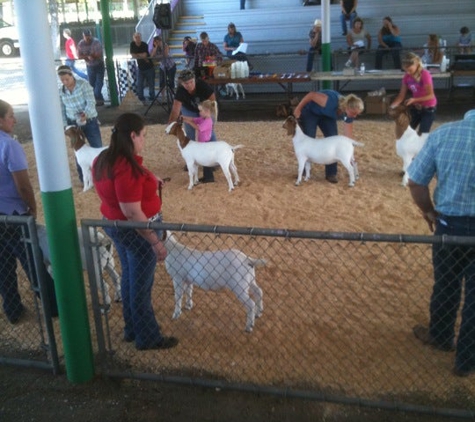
x,y
27,326
336,324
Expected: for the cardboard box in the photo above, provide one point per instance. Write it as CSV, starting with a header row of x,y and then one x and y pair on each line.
x,y
223,71
377,104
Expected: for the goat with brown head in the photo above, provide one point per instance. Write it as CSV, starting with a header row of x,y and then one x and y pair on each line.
x,y
76,136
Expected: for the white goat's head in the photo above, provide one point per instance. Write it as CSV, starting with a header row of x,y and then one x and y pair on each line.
x,y
76,136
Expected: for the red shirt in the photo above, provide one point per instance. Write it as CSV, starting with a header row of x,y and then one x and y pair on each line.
x,y
125,186
67,47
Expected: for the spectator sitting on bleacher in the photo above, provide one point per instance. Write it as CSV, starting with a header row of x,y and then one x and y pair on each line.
x,y
433,50
205,51
232,40
189,47
389,42
465,41
315,40
356,42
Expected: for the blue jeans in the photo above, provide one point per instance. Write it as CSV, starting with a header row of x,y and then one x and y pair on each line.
x,y
395,50
310,120
423,118
148,76
311,57
95,75
12,249
243,4
138,261
452,264
343,20
93,135
72,64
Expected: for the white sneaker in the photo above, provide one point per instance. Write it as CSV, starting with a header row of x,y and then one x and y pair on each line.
x,y
348,63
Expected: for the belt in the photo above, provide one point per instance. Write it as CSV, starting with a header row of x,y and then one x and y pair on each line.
x,y
157,216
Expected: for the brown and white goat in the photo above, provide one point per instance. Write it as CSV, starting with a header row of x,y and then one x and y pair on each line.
x,y
408,141
321,151
85,154
206,154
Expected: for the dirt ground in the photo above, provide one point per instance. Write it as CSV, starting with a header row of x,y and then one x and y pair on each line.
x,y
266,197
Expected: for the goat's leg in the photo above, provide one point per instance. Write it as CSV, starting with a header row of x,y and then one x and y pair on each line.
x,y
256,293
193,174
179,287
233,168
308,166
227,174
300,171
406,160
249,305
189,296
355,168
351,173
110,269
242,91
87,178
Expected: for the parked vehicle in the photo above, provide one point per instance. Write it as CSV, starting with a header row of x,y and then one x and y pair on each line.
x,y
9,44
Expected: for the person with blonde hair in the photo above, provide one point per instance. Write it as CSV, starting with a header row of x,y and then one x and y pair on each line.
x,y
322,110
315,41
423,102
203,126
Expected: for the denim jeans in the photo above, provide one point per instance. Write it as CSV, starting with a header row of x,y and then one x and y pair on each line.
x,y
311,57
343,19
147,76
395,50
243,4
72,64
138,261
12,249
310,120
93,135
95,75
423,118
453,263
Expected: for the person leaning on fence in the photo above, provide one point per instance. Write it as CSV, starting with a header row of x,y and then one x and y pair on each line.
x,y
146,69
78,108
448,156
348,13
90,50
129,192
315,41
417,81
16,198
465,41
358,40
321,110
72,53
167,68
389,42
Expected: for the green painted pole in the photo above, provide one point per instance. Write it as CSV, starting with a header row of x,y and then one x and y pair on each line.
x,y
326,45
106,27
55,184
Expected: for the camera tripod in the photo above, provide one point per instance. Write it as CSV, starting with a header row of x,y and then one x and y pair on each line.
x,y
167,94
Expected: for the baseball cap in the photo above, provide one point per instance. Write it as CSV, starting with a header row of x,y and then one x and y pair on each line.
x,y
87,32
317,22
186,75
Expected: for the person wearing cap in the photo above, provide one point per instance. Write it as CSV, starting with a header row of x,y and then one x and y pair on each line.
x,y
146,71
78,107
315,40
191,92
448,156
167,68
90,50
72,53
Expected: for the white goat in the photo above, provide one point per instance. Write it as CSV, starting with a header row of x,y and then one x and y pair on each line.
x,y
227,269
321,151
102,252
85,154
409,142
235,88
208,154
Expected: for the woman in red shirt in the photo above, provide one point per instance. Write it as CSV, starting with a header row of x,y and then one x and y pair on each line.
x,y
128,192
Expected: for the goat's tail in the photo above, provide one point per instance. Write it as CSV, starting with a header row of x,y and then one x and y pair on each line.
x,y
256,262
235,147
357,144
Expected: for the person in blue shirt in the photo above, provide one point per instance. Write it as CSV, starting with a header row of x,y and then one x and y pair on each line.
x,y
448,156
321,110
